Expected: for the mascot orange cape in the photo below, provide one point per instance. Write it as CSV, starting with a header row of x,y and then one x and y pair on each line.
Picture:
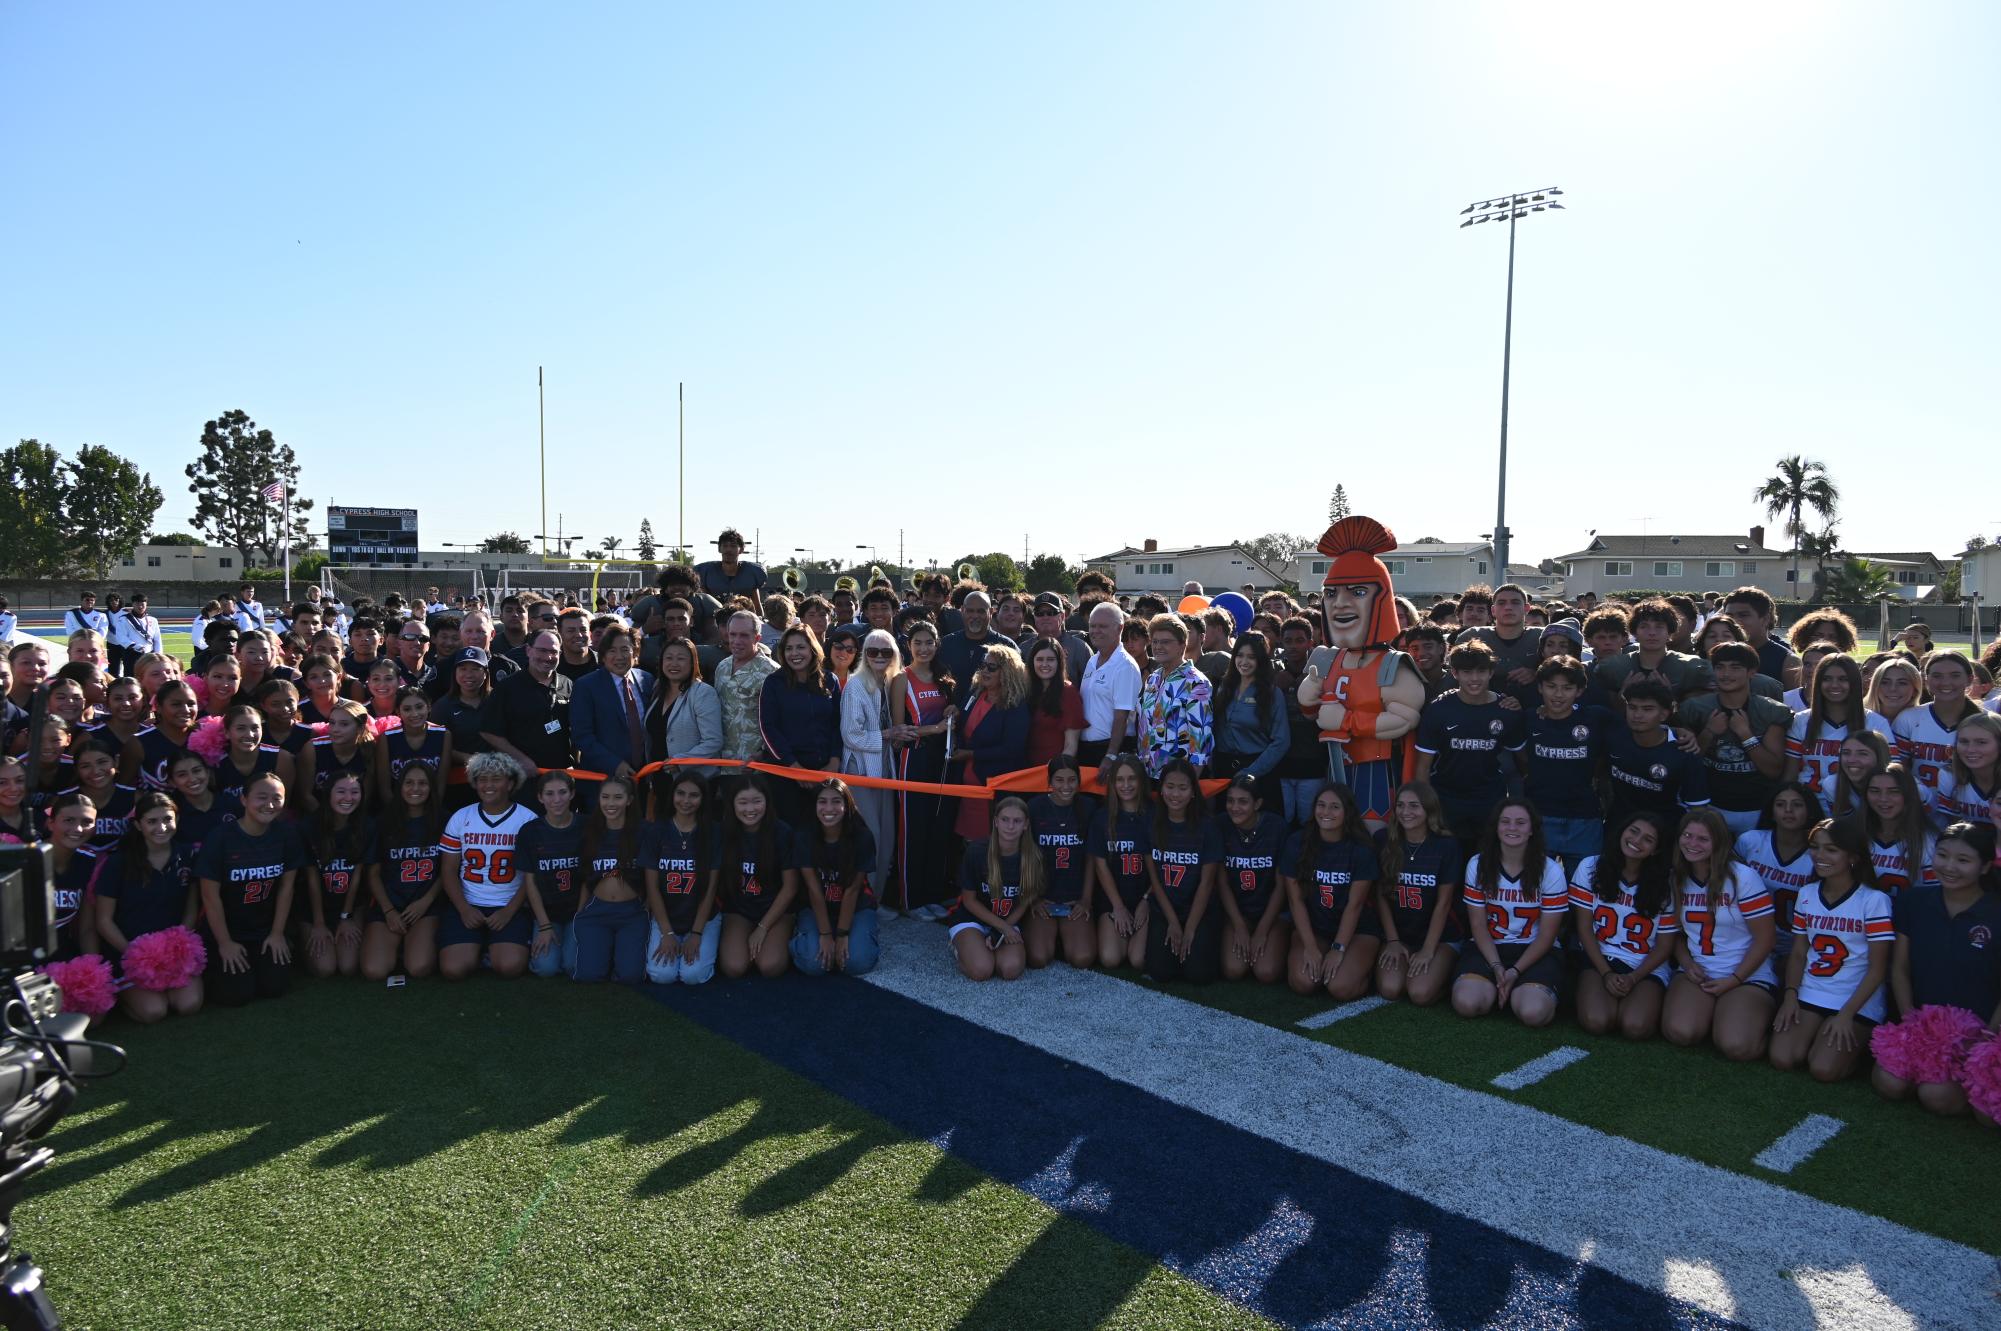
x,y
1364,694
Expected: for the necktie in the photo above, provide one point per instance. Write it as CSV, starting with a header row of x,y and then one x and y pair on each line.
x,y
635,737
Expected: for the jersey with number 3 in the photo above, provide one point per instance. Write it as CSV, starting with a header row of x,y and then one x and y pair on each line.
x,y
486,850
1837,939
1719,932
1624,931
1513,908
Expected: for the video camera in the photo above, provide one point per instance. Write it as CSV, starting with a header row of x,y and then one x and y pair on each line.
x,y
42,1054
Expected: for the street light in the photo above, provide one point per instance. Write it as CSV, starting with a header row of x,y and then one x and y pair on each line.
x,y
1512,208
805,550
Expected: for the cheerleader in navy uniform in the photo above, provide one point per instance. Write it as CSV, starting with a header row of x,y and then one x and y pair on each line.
x,y
1121,843
1420,880
676,857
71,820
1061,821
1515,903
249,870
836,863
147,885
1000,880
17,820
615,905
395,751
94,763
248,756
338,850
380,687
406,884
198,810
1330,869
324,687
1182,938
753,883
551,855
175,713
1945,971
1256,939
277,701
346,747
1626,929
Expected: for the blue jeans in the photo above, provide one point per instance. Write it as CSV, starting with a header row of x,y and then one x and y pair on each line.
x,y
611,942
1300,792
864,947
560,959
680,971
1572,839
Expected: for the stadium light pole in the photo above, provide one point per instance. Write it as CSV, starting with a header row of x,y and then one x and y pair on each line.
x,y
542,451
1512,207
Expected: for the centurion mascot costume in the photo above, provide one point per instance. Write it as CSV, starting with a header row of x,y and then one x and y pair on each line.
x,y
1364,693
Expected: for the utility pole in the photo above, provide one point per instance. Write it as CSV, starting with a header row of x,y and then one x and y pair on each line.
x,y
681,525
542,450
1514,207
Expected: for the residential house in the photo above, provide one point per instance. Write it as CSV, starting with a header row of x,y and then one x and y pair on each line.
x,y
1690,564
1917,571
1423,570
1219,568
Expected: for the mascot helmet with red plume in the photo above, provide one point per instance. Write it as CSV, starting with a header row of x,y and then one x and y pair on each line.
x,y
1360,603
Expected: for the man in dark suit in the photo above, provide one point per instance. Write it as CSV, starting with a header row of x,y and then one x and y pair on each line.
x,y
608,708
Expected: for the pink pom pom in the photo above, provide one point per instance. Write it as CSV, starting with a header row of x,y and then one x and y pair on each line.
x,y
209,740
165,959
1980,1074
1926,1046
86,983
317,729
199,683
385,725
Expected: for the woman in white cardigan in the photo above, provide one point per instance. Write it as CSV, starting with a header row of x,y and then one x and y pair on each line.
x,y
864,751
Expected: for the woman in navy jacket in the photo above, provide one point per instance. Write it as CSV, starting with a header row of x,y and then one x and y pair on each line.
x,y
799,713
993,733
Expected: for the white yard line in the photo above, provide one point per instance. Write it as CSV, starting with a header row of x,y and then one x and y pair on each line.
x,y
1533,1071
1778,1258
1359,1007
1791,1151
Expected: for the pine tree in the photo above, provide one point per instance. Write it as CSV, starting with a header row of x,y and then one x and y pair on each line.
x,y
1337,507
648,549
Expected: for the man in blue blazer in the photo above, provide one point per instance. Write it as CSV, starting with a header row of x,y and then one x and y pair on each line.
x,y
608,710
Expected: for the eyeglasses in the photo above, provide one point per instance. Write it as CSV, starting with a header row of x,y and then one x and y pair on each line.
x,y
412,637
879,654
843,647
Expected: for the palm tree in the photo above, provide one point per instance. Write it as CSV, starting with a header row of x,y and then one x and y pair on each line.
x,y
1859,582
1820,548
1801,483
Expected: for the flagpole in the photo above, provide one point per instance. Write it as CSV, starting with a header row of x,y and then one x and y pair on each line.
x,y
681,489
285,544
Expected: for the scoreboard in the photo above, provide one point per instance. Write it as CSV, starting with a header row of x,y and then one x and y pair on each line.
x,y
371,535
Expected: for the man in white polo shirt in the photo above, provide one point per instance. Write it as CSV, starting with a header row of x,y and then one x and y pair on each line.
x,y
1110,685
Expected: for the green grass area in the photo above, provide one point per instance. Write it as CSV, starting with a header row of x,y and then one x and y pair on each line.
x,y
1892,1160
529,1154
179,644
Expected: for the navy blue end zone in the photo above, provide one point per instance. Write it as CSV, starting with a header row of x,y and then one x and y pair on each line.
x,y
1290,1237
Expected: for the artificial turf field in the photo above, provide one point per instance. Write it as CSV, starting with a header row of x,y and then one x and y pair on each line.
x,y
833,1153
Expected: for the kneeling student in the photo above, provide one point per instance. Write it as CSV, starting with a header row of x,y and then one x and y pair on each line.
x,y
1000,880
1515,903
1626,930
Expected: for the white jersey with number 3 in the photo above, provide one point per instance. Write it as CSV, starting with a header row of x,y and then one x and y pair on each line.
x,y
1837,940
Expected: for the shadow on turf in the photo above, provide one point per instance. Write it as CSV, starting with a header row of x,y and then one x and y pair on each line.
x,y
502,1059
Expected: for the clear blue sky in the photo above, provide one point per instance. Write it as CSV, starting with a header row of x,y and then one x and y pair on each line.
x,y
1080,273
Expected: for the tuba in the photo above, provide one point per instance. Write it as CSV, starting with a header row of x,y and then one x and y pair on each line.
x,y
875,574
793,579
967,573
846,583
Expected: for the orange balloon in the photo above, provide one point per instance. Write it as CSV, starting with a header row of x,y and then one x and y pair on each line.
x,y
1192,605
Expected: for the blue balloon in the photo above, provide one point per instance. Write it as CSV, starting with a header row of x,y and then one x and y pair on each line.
x,y
1238,605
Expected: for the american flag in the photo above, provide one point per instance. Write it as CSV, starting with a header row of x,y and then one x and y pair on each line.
x,y
274,492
